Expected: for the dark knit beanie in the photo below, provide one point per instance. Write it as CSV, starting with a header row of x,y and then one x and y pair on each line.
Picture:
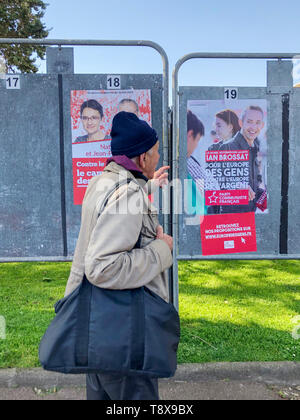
x,y
131,136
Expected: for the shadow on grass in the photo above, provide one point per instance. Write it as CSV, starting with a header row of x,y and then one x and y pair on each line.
x,y
257,267
206,341
243,281
283,292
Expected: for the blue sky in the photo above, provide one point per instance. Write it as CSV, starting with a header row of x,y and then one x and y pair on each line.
x,y
180,27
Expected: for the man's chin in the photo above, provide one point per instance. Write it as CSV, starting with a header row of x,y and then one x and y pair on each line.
x,y
250,137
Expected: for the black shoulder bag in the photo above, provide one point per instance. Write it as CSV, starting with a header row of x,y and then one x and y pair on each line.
x,y
130,332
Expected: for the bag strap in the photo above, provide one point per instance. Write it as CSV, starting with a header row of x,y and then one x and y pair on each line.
x,y
82,324
84,303
111,192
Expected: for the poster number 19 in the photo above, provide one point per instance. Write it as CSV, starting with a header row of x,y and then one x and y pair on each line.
x,y
230,94
113,82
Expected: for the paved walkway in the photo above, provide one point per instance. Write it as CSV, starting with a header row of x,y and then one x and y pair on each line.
x,y
212,381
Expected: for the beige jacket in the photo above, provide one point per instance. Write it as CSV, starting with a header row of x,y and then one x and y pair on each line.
x,y
104,249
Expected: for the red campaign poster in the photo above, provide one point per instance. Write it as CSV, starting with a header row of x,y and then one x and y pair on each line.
x,y
231,169
85,169
226,197
228,233
92,113
227,165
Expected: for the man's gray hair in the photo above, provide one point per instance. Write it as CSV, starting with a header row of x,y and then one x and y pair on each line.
x,y
252,108
126,100
150,152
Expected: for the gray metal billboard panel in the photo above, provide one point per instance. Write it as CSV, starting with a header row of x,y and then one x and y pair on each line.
x,y
60,60
99,82
30,205
31,222
267,225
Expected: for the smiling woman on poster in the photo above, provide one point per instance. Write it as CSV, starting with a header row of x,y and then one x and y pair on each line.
x,y
91,114
227,125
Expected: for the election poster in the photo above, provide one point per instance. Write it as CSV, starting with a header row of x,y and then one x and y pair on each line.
x,y
228,233
227,161
296,72
92,113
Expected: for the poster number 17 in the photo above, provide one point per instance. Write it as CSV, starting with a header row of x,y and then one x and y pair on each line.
x,y
13,82
230,94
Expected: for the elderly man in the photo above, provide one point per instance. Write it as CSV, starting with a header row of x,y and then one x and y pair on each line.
x,y
106,249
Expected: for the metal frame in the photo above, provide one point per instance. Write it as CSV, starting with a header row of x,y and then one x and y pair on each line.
x,y
116,43
175,154
165,96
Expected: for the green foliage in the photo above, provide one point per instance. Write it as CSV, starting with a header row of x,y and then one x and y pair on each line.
x,y
22,19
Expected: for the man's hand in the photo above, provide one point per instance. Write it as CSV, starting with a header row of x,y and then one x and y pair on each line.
x,y
251,193
164,237
161,176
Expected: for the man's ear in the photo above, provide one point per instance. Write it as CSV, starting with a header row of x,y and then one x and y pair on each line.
x,y
142,158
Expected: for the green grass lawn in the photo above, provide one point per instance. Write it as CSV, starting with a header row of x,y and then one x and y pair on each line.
x,y
243,310
230,310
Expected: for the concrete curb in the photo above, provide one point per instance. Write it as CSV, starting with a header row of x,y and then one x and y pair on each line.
x,y
283,373
276,373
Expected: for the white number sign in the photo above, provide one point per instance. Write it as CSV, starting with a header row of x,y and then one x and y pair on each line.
x,y
13,81
113,82
230,94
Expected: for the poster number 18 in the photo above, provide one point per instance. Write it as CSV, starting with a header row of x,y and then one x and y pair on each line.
x,y
113,82
230,94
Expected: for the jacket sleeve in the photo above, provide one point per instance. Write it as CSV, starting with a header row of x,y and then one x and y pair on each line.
x,y
110,261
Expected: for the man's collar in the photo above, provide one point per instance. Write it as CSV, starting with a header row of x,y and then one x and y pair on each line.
x,y
128,164
243,142
124,161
